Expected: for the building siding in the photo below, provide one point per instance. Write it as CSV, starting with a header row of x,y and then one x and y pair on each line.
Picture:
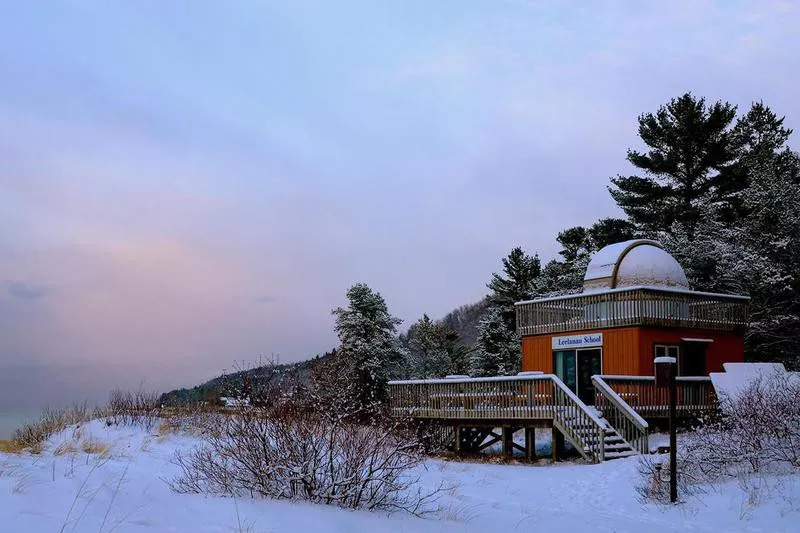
x,y
629,351
727,347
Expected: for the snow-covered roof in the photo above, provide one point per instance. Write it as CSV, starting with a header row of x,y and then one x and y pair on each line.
x,y
633,263
738,376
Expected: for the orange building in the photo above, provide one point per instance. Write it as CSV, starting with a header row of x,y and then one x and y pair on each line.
x,y
636,305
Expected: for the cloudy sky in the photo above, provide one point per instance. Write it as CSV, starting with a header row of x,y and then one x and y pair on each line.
x,y
187,184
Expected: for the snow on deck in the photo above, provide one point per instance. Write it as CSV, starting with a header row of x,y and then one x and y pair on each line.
x,y
37,493
738,376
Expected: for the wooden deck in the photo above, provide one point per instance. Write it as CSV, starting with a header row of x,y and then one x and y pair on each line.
x,y
617,420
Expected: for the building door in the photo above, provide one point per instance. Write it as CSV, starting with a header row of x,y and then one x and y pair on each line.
x,y
576,368
589,364
692,360
564,364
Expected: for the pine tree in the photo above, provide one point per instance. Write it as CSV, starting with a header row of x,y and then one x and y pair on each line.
x,y
521,271
689,160
577,245
367,341
760,139
766,257
428,356
498,350
609,231
458,353
758,255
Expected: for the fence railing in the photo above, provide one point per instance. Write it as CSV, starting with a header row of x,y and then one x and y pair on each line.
x,y
694,395
630,307
621,416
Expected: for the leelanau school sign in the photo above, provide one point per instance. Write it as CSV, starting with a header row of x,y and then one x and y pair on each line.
x,y
577,341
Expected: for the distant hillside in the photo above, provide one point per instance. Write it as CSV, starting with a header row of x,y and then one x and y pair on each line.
x,y
464,320
260,377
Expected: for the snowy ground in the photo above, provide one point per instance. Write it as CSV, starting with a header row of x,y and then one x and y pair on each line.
x,y
122,489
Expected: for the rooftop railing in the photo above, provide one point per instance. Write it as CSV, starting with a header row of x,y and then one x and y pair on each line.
x,y
633,306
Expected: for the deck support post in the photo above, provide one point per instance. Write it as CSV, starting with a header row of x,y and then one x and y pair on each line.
x,y
508,441
557,444
530,443
457,431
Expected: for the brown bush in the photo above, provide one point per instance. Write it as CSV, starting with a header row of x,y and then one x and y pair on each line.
x,y
290,454
138,408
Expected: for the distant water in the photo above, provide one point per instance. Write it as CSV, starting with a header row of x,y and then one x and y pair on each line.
x,y
11,421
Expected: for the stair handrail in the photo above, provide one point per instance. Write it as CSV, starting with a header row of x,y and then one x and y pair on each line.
x,y
590,445
631,427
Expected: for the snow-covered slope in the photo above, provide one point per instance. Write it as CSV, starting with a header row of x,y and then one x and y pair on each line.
x,y
121,487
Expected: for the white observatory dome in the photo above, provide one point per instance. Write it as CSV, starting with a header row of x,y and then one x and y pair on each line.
x,y
636,263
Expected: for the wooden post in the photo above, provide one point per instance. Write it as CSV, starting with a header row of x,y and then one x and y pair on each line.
x,y
508,441
558,444
673,439
666,371
530,443
457,430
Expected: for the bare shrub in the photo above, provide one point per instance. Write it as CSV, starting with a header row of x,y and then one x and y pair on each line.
x,y
32,436
133,408
653,485
291,454
139,408
756,435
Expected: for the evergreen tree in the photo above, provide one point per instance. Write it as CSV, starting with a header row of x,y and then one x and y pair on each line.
x,y
428,356
559,277
766,258
688,162
577,246
458,353
609,231
760,138
758,255
367,342
498,351
521,271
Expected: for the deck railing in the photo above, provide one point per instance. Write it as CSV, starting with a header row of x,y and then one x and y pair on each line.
x,y
642,306
505,397
622,417
695,395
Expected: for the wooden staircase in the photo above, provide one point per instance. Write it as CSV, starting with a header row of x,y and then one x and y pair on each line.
x,y
590,432
596,440
613,445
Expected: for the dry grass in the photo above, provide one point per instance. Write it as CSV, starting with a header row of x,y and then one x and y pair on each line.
x,y
137,408
169,427
103,449
21,483
33,435
64,448
11,446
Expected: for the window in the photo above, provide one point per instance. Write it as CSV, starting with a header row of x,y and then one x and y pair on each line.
x,y
667,350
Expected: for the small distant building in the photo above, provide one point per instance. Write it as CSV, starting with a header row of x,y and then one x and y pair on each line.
x,y
231,402
636,305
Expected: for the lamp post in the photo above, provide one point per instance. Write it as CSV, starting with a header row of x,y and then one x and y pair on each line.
x,y
666,369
